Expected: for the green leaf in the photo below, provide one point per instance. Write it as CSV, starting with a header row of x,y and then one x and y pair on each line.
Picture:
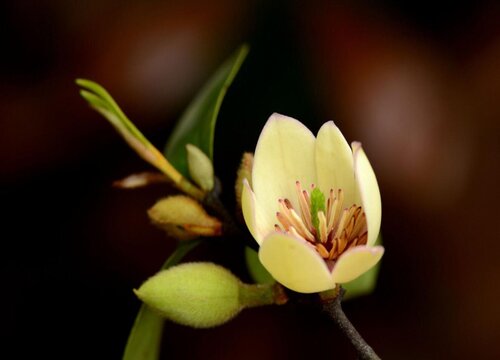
x,y
257,272
99,99
365,284
145,337
197,125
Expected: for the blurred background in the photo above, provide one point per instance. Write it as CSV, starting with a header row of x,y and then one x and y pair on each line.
x,y
418,83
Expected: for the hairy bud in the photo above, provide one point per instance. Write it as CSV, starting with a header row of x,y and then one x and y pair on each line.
x,y
203,294
184,218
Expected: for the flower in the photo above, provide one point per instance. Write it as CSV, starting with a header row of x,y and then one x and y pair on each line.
x,y
312,240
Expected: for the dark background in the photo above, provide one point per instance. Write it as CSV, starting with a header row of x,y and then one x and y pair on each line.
x,y
417,83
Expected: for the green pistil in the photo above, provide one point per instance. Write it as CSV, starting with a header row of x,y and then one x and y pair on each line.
x,y
317,204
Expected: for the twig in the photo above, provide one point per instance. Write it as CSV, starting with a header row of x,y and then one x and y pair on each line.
x,y
334,310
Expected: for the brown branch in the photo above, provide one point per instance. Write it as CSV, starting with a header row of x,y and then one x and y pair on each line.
x,y
334,310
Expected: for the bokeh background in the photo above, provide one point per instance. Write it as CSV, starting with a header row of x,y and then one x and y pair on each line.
x,y
417,82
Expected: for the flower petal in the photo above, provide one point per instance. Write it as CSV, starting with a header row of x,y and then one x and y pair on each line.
x,y
284,154
255,219
355,262
295,263
369,192
334,163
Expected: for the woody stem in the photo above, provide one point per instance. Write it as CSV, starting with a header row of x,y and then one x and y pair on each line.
x,y
230,227
334,310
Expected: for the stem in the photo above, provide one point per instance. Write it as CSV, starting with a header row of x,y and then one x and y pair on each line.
x,y
186,186
213,203
252,295
334,310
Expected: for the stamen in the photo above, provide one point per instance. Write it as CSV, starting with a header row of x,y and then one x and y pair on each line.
x,y
335,228
342,242
301,228
332,213
285,210
303,197
323,235
291,218
350,225
340,225
306,196
363,239
294,232
359,223
333,251
288,204
322,251
329,203
283,220
336,209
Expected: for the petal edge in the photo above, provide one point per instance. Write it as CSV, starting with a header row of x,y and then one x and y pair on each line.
x,y
368,191
334,162
355,262
252,213
284,154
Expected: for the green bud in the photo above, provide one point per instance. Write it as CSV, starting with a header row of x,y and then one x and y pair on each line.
x,y
200,167
203,295
184,218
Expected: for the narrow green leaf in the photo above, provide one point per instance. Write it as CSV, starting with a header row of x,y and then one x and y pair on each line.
x,y
111,103
145,337
365,284
99,98
197,125
94,100
102,102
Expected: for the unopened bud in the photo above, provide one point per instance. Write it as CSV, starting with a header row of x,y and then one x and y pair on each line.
x,y
203,295
184,218
200,167
244,172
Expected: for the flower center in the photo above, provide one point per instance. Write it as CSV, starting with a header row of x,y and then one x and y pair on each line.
x,y
329,227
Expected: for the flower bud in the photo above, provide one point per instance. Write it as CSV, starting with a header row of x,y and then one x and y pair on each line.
x,y
200,167
244,172
184,218
203,295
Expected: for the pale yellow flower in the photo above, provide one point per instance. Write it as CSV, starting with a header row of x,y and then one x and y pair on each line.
x,y
312,251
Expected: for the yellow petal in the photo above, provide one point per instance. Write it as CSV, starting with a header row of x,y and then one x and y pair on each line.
x,y
255,219
295,264
334,163
284,154
355,262
369,192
